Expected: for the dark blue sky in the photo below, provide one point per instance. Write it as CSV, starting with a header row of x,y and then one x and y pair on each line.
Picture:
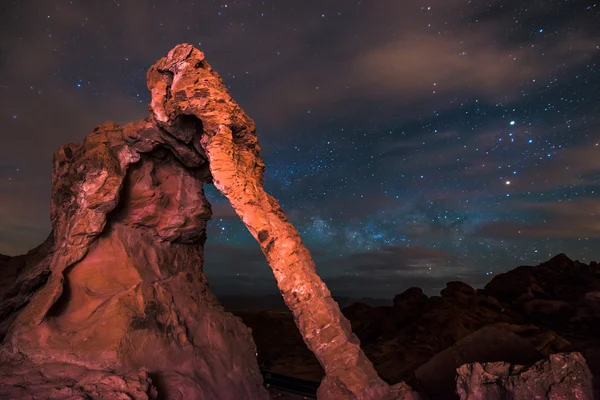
x,y
411,143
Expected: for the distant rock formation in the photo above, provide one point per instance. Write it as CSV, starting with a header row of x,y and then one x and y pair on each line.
x,y
553,307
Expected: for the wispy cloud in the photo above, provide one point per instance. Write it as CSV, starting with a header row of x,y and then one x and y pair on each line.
x,y
578,218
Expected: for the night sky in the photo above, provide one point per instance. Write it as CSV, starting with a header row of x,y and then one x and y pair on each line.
x,y
410,142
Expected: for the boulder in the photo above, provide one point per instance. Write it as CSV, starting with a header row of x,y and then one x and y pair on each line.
x,y
437,376
563,376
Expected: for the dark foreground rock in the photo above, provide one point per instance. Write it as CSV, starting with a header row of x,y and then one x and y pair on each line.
x,y
437,377
552,307
560,377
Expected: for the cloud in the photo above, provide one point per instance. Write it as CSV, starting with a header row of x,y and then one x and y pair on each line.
x,y
421,64
578,218
557,167
468,61
402,260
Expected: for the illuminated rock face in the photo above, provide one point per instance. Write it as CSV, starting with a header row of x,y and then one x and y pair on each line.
x,y
119,286
185,88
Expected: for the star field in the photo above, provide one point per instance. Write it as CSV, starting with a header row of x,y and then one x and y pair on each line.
x,y
410,144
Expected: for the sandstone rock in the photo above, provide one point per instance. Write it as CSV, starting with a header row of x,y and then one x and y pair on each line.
x,y
437,376
559,278
357,311
67,381
459,292
330,390
593,298
560,377
230,144
545,306
20,278
119,284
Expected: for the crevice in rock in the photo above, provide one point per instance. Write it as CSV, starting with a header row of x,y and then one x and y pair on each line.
x,y
185,127
158,382
61,304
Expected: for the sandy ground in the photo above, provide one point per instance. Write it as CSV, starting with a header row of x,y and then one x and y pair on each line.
x,y
276,394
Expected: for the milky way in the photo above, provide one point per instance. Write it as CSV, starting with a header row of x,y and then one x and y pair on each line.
x,y
411,143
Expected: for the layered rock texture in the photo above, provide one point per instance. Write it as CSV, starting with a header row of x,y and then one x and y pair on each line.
x,y
520,317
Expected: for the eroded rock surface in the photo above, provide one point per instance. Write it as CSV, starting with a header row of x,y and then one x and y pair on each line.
x,y
67,381
560,377
119,285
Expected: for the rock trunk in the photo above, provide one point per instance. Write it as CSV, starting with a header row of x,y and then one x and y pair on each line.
x,y
230,145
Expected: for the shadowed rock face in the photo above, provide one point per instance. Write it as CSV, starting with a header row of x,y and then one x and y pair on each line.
x,y
119,284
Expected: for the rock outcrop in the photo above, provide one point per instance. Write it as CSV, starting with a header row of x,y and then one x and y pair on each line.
x,y
118,286
437,376
560,377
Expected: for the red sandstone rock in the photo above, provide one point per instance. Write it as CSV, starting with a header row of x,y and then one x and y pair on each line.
x,y
119,285
231,147
560,377
68,381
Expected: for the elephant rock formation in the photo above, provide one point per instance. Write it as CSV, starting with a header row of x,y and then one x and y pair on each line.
x,y
118,290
